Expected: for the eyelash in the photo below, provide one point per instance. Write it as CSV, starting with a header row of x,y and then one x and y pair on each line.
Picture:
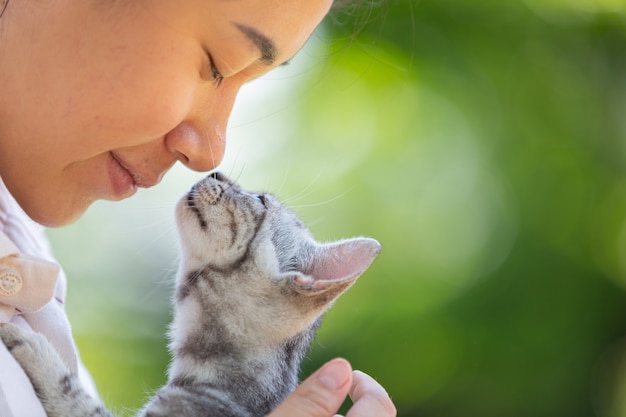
x,y
216,77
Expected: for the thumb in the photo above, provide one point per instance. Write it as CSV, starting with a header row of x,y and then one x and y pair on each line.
x,y
321,394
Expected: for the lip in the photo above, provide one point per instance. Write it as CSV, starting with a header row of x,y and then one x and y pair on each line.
x,y
139,179
122,182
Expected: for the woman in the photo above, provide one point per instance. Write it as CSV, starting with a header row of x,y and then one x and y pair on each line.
x,y
99,98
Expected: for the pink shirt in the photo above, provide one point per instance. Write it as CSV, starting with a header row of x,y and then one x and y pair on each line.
x,y
32,295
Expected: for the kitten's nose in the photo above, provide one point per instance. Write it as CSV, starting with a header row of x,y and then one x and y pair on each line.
x,y
218,176
230,184
223,178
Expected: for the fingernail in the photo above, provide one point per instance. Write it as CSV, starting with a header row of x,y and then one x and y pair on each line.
x,y
335,374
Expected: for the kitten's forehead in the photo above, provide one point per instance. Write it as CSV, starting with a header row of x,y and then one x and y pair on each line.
x,y
218,217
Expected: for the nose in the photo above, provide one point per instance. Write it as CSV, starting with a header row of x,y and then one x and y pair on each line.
x,y
199,141
199,147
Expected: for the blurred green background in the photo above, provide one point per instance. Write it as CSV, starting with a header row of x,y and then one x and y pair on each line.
x,y
483,143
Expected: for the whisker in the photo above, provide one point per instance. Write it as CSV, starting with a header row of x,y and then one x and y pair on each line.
x,y
153,241
156,222
324,202
213,162
236,180
235,160
167,279
284,180
303,191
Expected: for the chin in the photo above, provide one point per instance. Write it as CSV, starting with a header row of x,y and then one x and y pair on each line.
x,y
55,220
50,216
50,208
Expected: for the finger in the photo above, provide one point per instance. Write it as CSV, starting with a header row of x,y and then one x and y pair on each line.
x,y
321,394
369,398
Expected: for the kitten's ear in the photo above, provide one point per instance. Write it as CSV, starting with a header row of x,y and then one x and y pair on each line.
x,y
338,264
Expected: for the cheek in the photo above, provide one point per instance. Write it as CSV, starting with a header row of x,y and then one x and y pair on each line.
x,y
145,108
132,94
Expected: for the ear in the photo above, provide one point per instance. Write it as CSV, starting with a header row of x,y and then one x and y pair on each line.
x,y
337,264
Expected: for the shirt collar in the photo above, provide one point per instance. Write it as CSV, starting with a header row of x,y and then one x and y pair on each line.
x,y
27,283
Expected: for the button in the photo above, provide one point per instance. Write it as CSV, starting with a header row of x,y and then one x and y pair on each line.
x,y
10,281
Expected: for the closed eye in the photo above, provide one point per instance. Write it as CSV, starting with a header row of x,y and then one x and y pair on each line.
x,y
213,74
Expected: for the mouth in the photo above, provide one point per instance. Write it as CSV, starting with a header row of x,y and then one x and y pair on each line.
x,y
140,180
191,205
204,193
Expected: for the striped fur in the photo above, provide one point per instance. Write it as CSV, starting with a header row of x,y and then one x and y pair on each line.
x,y
250,290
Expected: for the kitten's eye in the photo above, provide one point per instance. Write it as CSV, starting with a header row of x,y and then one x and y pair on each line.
x,y
261,199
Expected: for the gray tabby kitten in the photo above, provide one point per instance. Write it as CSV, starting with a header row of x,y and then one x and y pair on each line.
x,y
250,290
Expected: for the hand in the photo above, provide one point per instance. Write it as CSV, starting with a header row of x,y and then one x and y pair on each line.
x,y
322,394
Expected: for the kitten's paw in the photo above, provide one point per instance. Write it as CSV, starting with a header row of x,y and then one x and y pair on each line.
x,y
12,336
59,391
33,352
24,345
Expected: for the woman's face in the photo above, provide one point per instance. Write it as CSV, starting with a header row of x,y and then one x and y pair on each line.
x,y
98,98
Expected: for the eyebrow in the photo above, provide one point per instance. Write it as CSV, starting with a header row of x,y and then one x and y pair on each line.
x,y
266,45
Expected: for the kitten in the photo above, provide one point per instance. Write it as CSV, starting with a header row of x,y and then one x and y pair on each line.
x,y
250,290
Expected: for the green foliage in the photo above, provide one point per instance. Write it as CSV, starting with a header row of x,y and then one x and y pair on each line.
x,y
483,143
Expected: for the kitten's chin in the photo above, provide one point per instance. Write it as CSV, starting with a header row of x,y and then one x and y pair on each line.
x,y
186,217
